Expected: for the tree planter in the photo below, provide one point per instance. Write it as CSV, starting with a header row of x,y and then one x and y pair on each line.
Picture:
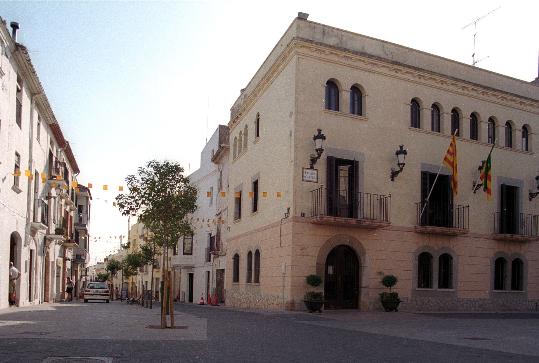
x,y
390,301
314,305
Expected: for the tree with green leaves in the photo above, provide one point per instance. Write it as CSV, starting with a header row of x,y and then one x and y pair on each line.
x,y
102,276
161,197
113,266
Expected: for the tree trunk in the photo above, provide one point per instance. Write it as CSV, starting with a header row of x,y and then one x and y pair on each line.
x,y
170,299
163,279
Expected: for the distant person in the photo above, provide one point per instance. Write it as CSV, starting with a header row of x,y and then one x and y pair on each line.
x,y
69,289
14,275
116,293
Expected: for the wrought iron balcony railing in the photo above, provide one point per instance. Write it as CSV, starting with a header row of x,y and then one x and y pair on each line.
x,y
358,206
445,215
520,224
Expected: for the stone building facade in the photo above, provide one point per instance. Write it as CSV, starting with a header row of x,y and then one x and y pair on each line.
x,y
37,183
353,224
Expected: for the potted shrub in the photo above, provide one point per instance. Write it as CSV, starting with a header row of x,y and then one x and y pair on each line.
x,y
313,300
390,300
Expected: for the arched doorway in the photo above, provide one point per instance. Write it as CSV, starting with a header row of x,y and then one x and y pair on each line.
x,y
341,283
15,242
47,283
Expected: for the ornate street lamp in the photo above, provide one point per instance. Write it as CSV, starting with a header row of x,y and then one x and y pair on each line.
x,y
401,157
318,139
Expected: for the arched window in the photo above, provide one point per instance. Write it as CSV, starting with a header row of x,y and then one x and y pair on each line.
x,y
474,126
332,96
245,137
257,125
508,134
257,267
491,131
235,152
249,267
455,122
415,114
424,271
240,143
236,268
356,100
435,118
445,271
500,273
517,275
525,138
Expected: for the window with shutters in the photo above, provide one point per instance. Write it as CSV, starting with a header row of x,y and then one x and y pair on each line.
x,y
237,205
256,279
491,131
236,268
424,271
438,210
332,96
500,273
249,267
17,170
509,209
525,138
508,134
445,271
18,106
455,122
342,187
415,114
435,117
255,196
474,126
245,137
517,275
356,101
257,125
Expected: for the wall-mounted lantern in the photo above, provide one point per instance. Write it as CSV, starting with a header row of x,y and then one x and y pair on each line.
x,y
318,139
401,161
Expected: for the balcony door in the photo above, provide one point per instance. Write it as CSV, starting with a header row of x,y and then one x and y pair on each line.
x,y
342,187
439,209
509,210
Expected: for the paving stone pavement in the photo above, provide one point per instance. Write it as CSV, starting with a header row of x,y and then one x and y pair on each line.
x,y
117,332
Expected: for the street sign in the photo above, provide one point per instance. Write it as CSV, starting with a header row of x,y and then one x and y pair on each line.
x,y
310,175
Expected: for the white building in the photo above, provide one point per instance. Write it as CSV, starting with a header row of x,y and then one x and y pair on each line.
x,y
198,262
37,190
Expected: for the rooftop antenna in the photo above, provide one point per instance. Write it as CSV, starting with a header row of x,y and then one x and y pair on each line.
x,y
474,23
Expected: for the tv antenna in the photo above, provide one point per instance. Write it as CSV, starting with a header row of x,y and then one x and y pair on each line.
x,y
474,23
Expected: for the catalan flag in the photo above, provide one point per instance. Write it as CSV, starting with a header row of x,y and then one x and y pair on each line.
x,y
486,175
451,161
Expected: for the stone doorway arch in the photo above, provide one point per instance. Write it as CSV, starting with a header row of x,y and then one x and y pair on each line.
x,y
340,262
15,251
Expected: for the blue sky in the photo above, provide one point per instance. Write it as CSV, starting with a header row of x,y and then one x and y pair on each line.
x,y
134,81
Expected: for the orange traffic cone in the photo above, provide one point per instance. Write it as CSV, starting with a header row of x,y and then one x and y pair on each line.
x,y
215,299
201,301
209,299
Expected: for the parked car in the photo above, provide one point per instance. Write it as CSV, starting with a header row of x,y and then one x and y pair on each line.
x,y
97,291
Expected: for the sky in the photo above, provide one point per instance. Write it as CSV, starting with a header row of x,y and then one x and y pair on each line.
x,y
134,81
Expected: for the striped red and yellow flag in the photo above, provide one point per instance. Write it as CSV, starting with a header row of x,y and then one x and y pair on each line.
x,y
450,160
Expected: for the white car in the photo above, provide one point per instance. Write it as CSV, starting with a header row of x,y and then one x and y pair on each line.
x,y
97,291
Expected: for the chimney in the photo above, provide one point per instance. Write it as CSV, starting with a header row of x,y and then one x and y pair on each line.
x,y
303,16
14,27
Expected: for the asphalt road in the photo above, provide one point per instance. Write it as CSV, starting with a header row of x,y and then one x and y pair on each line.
x,y
118,332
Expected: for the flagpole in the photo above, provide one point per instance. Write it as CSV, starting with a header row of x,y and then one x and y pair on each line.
x,y
434,183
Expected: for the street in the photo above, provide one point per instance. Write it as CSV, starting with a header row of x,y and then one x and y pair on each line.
x,y
118,332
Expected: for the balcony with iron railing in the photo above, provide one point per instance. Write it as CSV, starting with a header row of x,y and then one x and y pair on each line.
x,y
434,217
363,210
518,227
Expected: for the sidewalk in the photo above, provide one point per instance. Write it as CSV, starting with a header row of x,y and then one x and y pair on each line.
x,y
115,320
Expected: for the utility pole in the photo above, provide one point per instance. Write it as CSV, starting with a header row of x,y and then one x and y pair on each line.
x,y
474,23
